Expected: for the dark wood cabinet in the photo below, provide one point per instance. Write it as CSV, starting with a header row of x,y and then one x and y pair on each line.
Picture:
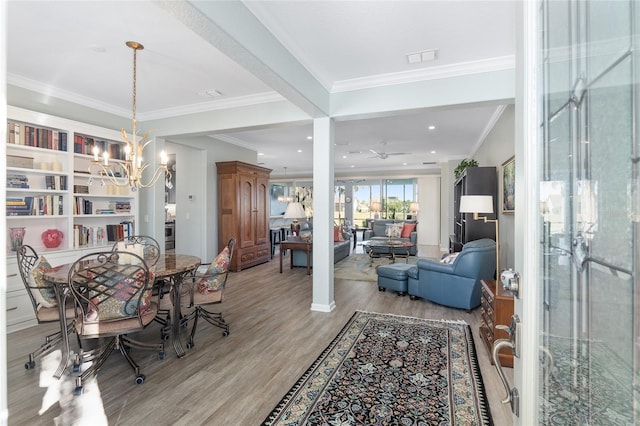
x,y
474,181
243,212
497,308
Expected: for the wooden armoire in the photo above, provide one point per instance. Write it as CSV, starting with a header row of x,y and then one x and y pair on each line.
x,y
243,212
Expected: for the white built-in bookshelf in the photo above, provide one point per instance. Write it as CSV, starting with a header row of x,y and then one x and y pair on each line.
x,y
50,186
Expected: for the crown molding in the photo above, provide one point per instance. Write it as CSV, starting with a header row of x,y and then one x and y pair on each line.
x,y
52,91
431,73
55,92
240,101
487,129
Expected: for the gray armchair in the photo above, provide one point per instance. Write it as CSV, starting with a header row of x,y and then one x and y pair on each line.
x,y
456,284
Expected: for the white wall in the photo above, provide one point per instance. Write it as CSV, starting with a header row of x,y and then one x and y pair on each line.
x,y
198,235
429,216
499,146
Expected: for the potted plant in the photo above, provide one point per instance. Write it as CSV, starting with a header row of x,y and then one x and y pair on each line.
x,y
464,164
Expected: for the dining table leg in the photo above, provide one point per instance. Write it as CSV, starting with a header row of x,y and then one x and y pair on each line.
x,y
61,296
176,321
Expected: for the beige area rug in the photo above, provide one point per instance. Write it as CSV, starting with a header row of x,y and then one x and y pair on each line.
x,y
358,267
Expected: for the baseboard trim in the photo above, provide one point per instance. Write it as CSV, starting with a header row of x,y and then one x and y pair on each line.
x,y
323,308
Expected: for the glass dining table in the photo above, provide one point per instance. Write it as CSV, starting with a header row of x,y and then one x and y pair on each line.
x,y
171,267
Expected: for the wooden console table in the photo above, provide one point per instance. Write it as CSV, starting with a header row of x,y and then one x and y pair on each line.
x,y
296,245
497,308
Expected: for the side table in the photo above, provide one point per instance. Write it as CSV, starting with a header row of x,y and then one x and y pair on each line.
x,y
497,308
296,245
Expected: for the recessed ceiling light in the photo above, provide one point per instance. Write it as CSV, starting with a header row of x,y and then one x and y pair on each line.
x,y
344,156
97,48
299,150
209,93
433,152
309,138
432,127
404,164
261,153
352,166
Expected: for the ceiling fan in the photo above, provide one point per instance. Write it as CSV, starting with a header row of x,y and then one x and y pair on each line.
x,y
384,155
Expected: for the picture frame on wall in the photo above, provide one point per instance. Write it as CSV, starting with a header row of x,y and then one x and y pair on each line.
x,y
508,186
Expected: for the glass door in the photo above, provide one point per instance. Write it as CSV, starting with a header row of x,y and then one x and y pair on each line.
x,y
589,211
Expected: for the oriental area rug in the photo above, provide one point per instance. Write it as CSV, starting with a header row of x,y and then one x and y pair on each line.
x,y
384,369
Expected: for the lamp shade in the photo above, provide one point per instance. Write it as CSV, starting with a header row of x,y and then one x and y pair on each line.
x,y
414,207
476,204
294,211
376,207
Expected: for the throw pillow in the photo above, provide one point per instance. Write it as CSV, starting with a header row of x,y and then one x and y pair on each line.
x,y
337,234
394,230
449,258
41,289
215,275
407,229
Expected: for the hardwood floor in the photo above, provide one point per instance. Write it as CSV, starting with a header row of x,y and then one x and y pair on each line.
x,y
234,380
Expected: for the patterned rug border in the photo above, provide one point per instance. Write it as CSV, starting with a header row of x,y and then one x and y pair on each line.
x,y
480,396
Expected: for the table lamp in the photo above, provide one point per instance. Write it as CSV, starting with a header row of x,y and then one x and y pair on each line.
x,y
481,204
414,208
294,211
376,207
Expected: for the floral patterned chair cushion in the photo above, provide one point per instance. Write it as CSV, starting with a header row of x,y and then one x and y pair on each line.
x,y
118,298
41,289
215,275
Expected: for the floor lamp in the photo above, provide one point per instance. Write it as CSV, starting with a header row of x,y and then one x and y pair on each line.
x,y
482,204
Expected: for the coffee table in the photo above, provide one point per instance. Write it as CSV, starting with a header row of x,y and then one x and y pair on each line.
x,y
387,248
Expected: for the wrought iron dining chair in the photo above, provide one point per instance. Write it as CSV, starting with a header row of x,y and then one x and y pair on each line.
x,y
205,289
44,299
149,248
144,246
113,299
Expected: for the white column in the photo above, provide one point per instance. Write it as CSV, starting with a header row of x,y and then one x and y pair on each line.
x,y
323,299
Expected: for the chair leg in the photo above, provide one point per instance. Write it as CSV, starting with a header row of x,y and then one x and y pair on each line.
x,y
50,341
213,318
98,360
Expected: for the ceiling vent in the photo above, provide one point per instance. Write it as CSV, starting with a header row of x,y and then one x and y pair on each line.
x,y
423,56
210,93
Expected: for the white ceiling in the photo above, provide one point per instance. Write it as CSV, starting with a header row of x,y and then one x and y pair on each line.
x,y
75,51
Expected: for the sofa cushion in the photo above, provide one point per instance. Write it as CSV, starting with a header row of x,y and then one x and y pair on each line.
x,y
407,229
394,230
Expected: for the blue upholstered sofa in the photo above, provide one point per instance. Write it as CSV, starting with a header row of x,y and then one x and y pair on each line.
x,y
456,284
378,232
341,249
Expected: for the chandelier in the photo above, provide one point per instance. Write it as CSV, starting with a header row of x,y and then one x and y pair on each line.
x,y
129,172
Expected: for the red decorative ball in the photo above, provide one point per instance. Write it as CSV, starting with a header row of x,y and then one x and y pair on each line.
x,y
52,238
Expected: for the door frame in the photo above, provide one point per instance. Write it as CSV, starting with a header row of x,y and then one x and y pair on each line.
x,y
526,242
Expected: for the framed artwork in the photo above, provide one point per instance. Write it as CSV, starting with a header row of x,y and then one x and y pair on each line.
x,y
508,186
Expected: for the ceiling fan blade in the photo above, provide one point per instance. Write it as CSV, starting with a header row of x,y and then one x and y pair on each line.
x,y
374,152
355,152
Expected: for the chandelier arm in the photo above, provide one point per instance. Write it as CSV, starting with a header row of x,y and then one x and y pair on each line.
x,y
159,171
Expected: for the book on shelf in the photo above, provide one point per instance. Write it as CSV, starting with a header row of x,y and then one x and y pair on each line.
x,y
17,181
120,206
82,206
89,236
38,137
81,189
19,206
